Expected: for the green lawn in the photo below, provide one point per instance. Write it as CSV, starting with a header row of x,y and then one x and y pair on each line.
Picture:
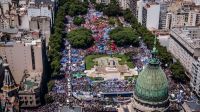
x,y
125,59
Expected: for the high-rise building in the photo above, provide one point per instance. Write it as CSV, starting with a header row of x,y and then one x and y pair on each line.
x,y
195,79
182,13
163,14
133,7
184,44
151,15
151,88
26,50
124,4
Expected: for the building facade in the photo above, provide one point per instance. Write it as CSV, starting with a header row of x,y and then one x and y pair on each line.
x,y
184,44
133,7
25,50
124,4
195,79
151,15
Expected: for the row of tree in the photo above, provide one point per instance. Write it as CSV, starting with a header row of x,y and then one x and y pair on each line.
x,y
164,56
65,7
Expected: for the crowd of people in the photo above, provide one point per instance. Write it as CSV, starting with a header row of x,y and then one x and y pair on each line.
x,y
72,61
114,86
142,57
98,24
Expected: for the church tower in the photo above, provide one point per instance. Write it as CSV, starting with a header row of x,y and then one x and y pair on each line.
x,y
9,102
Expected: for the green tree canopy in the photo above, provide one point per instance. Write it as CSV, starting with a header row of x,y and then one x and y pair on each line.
x,y
112,21
48,99
112,10
78,20
76,8
80,38
178,72
124,36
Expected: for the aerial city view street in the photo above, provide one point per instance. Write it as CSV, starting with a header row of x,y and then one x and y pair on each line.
x,y
99,56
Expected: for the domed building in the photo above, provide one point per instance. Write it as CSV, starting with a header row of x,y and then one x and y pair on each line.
x,y
151,89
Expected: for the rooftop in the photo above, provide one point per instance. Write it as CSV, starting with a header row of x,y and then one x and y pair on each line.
x,y
31,82
190,35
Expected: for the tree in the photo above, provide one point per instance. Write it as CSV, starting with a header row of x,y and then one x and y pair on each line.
x,y
112,21
100,7
124,36
178,72
77,8
50,85
112,10
80,38
78,20
48,99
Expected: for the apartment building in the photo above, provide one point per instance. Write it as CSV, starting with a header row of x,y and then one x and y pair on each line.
x,y
151,15
24,50
124,4
184,44
195,79
133,6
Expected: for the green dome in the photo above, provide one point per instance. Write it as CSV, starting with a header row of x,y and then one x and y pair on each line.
x,y
152,84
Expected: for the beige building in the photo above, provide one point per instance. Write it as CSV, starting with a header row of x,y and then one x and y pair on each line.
x,y
182,13
175,20
184,44
24,53
42,24
8,15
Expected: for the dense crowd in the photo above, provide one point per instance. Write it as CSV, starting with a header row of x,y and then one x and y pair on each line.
x,y
72,61
114,86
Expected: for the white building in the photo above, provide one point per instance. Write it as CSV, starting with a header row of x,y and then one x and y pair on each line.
x,y
124,4
197,2
103,1
195,79
151,15
140,5
184,44
42,10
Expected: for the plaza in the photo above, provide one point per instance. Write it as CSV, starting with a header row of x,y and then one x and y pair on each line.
x,y
109,68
